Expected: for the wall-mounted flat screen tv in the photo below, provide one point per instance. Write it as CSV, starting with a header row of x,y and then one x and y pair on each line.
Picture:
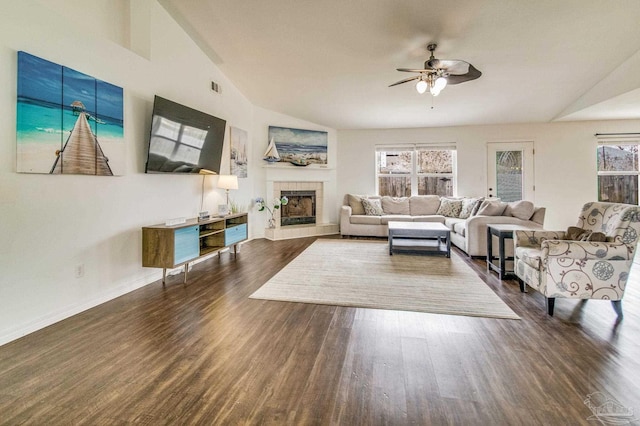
x,y
184,140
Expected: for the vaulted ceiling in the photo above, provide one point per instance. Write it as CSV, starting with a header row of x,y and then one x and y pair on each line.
x,y
331,61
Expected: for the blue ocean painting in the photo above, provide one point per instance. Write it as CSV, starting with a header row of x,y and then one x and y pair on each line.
x,y
51,98
300,146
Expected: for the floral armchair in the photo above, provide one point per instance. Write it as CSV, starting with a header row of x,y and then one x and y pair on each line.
x,y
583,269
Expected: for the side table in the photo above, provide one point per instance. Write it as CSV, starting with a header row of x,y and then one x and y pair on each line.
x,y
503,232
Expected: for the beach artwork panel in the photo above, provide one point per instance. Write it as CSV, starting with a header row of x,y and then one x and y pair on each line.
x,y
239,139
67,122
300,147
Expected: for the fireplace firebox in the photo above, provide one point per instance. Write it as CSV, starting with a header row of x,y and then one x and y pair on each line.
x,y
300,210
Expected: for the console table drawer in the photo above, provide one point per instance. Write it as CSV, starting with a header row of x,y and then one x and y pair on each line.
x,y
235,234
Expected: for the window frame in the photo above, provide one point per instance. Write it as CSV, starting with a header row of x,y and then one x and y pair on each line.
x,y
415,175
617,141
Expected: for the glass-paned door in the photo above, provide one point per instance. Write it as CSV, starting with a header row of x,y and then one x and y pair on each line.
x,y
510,174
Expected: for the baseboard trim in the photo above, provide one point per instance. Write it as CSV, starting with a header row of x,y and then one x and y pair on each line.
x,y
54,317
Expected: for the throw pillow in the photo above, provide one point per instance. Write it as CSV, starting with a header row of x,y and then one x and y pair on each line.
x,y
449,207
372,207
468,205
521,209
578,234
392,205
355,201
492,208
476,206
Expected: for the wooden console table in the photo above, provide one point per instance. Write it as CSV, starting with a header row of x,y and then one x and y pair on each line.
x,y
168,247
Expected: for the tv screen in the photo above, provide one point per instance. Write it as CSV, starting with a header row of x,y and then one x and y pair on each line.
x,y
183,140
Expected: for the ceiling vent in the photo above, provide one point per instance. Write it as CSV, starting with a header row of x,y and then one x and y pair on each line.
x,y
216,87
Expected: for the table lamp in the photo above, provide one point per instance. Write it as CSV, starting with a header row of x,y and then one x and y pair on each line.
x,y
228,182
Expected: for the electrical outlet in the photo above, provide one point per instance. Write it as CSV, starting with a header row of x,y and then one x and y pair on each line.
x,y
80,270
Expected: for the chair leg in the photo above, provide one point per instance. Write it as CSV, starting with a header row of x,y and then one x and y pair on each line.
x,y
523,285
617,306
549,303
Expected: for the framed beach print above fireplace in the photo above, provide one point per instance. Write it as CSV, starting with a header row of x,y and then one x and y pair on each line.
x,y
300,147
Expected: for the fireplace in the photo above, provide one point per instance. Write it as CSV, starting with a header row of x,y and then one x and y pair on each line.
x,y
300,210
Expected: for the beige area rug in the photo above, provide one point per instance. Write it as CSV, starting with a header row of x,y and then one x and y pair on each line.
x,y
362,274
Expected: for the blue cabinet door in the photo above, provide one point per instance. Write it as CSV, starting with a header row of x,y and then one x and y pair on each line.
x,y
186,244
235,233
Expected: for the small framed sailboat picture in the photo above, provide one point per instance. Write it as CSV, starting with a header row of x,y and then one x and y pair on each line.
x,y
67,122
297,146
238,152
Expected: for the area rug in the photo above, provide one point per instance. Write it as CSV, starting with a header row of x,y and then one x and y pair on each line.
x,y
363,274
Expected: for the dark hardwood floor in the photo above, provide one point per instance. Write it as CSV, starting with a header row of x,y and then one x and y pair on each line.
x,y
204,353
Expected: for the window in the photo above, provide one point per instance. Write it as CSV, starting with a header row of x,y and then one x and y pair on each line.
x,y
416,170
618,170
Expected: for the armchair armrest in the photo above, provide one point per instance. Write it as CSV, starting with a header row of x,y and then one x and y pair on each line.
x,y
534,238
587,250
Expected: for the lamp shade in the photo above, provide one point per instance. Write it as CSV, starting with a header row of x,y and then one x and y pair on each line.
x,y
228,182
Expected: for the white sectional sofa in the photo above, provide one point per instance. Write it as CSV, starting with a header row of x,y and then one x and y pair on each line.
x,y
468,225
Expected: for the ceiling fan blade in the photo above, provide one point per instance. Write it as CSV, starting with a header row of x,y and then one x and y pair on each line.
x,y
406,80
413,70
455,66
471,74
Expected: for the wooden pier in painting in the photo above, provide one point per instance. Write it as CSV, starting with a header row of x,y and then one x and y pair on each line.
x,y
81,153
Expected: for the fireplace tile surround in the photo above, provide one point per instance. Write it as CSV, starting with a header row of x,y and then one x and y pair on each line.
x,y
298,231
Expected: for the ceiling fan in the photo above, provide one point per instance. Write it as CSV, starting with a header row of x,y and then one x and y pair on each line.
x,y
437,73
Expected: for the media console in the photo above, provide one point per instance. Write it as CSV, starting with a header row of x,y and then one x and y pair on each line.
x,y
168,247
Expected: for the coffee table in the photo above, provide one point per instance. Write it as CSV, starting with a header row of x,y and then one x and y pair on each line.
x,y
421,237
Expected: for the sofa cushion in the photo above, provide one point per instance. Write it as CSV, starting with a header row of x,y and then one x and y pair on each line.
x,y
449,207
529,255
423,205
395,218
355,202
521,209
458,228
451,222
365,220
391,205
372,207
469,205
492,208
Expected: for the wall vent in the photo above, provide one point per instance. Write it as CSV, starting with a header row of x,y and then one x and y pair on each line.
x,y
216,87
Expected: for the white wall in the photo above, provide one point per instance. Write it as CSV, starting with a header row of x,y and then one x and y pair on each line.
x,y
51,224
565,159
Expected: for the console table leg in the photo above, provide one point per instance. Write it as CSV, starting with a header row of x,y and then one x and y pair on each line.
x,y
164,275
186,270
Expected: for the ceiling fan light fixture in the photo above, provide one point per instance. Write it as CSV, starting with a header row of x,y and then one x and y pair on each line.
x,y
440,84
421,86
436,72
